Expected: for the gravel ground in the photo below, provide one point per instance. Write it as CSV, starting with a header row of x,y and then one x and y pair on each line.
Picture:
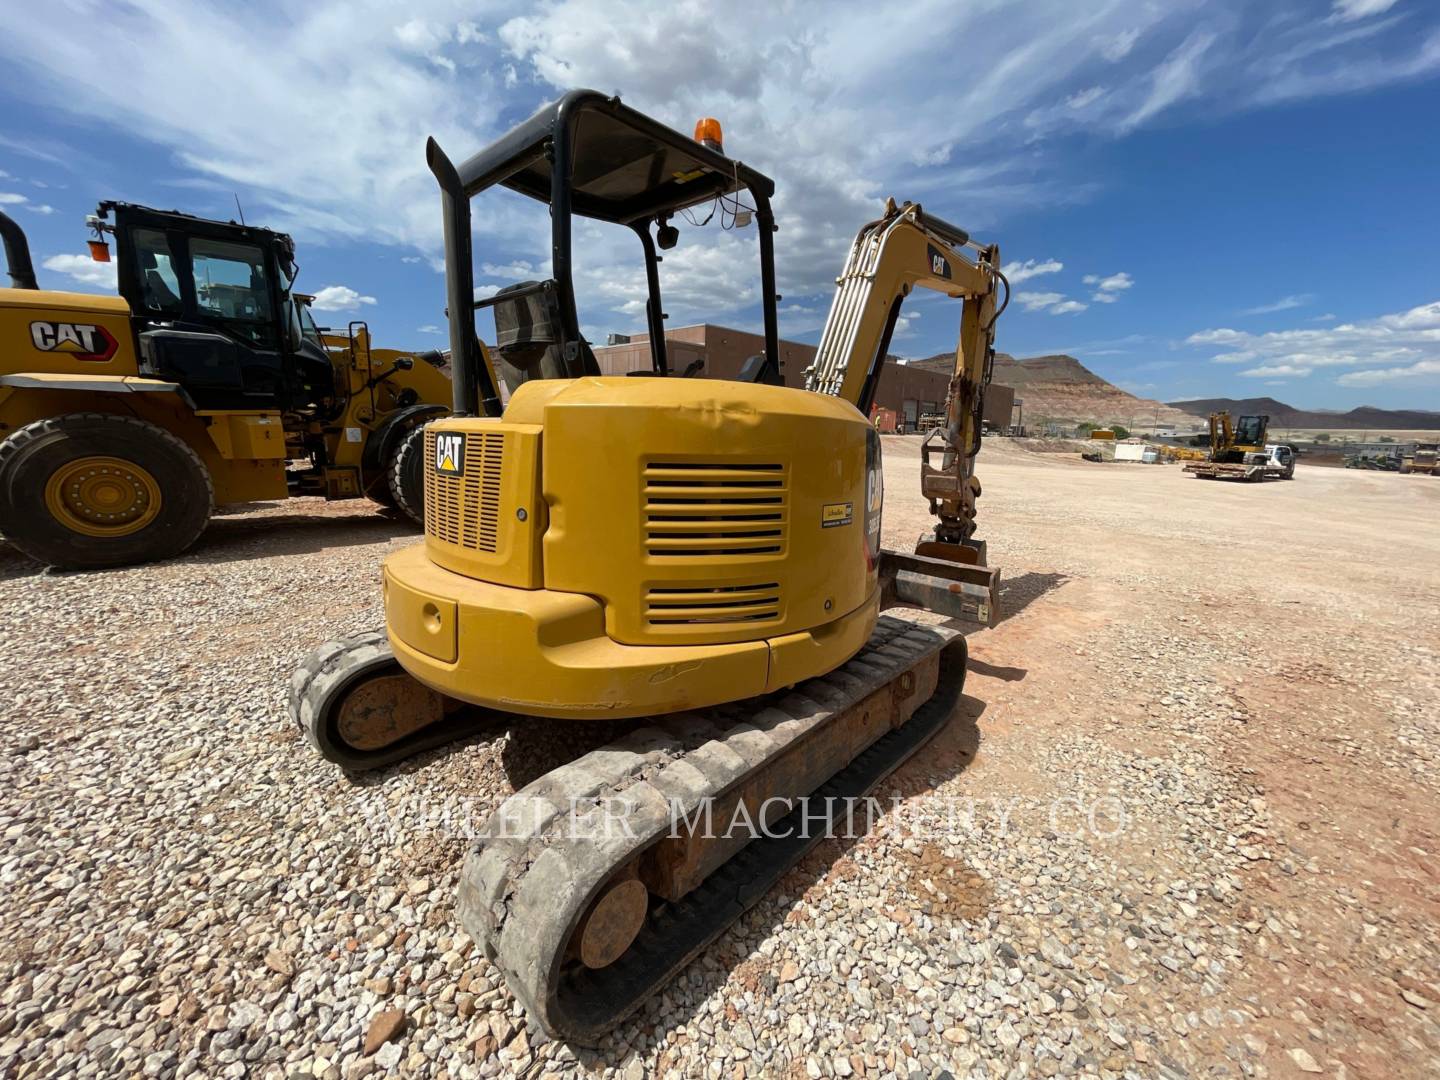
x,y
1184,823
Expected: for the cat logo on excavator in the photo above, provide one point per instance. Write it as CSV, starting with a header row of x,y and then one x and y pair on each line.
x,y
450,454
83,341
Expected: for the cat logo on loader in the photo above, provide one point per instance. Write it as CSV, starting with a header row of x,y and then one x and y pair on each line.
x,y
83,341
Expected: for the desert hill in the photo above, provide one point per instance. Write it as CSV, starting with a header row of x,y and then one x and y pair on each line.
x,y
1361,418
1061,388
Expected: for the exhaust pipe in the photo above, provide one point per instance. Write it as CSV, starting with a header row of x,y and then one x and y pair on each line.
x,y
17,254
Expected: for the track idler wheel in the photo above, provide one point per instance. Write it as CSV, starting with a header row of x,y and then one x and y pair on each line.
x,y
360,709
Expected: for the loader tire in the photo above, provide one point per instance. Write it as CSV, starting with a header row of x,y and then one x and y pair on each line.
x,y
89,491
406,474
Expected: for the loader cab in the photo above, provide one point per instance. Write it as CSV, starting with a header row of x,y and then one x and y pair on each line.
x,y
212,310
587,155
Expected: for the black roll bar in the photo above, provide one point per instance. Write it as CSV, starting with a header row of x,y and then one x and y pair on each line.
x,y
473,394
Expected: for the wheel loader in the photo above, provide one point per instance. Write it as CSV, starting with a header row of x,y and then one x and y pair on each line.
x,y
206,381
1423,458
699,556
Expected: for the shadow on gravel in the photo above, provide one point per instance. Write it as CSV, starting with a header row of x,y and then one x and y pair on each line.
x,y
233,539
1018,593
230,540
993,671
941,760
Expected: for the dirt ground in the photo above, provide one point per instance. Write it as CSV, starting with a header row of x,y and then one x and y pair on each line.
x,y
1311,611
1210,717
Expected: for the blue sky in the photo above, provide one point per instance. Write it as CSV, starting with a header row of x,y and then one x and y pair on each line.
x,y
1195,199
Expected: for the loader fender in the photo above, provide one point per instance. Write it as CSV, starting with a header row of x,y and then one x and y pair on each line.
x,y
385,438
93,384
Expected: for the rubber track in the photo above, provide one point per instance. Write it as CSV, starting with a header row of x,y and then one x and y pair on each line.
x,y
547,851
319,686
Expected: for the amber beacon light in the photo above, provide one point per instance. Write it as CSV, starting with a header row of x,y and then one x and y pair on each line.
x,y
707,131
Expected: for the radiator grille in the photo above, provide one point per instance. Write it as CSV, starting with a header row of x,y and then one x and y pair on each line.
x,y
696,605
465,510
694,510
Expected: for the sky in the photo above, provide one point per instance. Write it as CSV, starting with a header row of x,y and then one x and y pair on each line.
x,y
1195,199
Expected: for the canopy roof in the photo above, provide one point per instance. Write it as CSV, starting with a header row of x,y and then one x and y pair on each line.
x,y
624,166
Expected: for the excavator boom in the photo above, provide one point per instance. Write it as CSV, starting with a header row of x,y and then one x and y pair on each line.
x,y
904,249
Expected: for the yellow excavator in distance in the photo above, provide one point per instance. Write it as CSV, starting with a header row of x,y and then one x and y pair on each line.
x,y
125,419
702,553
1239,452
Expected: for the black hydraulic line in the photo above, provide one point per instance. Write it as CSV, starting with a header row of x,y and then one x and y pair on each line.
x,y
473,392
765,223
17,254
877,362
654,314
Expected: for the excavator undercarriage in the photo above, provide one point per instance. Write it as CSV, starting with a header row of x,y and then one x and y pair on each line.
x,y
698,562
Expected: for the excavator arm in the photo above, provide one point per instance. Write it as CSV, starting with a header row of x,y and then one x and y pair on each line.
x,y
890,257
902,250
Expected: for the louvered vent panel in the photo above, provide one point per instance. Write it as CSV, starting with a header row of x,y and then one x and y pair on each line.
x,y
696,510
465,510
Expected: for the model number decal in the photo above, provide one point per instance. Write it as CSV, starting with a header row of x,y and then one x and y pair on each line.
x,y
835,514
450,453
83,341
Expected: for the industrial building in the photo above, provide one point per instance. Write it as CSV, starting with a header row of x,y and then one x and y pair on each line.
x,y
720,352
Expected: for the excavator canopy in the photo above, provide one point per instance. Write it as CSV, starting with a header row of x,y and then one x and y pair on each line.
x,y
590,155
622,165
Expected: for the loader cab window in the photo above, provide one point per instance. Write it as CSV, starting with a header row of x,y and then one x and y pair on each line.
x,y
231,284
160,288
308,330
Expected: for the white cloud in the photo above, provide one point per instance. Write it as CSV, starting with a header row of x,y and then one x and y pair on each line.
x,y
1024,271
1400,345
1118,47
1327,317
328,151
1271,371
40,208
340,298
1350,10
1176,79
82,269
412,258
11,198
1114,283
1108,289
1053,302
428,328
1038,301
1285,303
1383,375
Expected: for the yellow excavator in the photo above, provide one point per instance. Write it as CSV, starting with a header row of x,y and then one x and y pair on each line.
x,y
704,554
1238,451
125,419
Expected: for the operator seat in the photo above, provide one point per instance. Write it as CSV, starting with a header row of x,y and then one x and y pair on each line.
x,y
158,295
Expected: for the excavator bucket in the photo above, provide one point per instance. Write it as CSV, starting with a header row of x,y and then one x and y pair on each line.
x,y
946,586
